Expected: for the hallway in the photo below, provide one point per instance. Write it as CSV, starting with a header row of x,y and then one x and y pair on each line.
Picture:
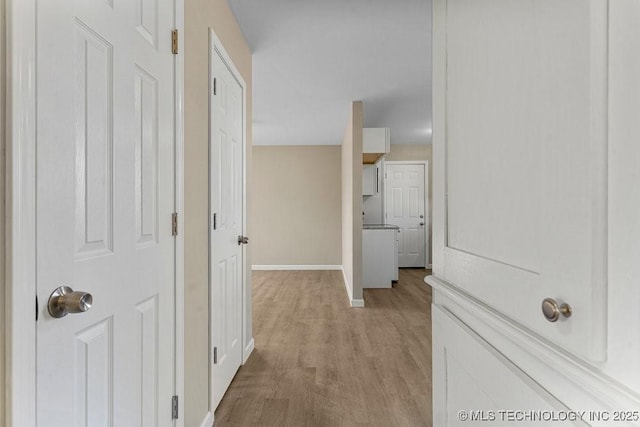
x,y
318,362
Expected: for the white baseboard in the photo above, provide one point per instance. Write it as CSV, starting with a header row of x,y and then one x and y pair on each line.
x,y
208,420
248,350
296,267
353,302
357,302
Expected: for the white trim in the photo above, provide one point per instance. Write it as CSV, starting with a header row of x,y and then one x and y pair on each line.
x,y
357,303
296,267
216,44
427,217
179,359
346,284
21,213
247,351
545,362
352,302
207,421
406,162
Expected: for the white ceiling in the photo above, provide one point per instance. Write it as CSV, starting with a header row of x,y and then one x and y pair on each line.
x,y
311,58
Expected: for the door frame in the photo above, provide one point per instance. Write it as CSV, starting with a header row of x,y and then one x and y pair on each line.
x,y
427,217
215,45
20,280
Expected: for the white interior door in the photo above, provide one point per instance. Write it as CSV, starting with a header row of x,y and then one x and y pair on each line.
x,y
520,134
405,207
226,201
105,196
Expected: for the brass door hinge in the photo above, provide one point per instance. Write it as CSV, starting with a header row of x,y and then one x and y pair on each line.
x,y
174,224
174,42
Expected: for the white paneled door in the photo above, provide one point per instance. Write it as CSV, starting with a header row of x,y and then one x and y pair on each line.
x,y
226,204
105,198
405,207
521,138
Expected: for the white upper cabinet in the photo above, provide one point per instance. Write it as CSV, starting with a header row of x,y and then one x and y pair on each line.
x,y
376,140
375,143
520,188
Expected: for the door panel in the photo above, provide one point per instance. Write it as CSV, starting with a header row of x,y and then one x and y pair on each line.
x,y
105,195
94,143
475,384
227,205
405,207
524,180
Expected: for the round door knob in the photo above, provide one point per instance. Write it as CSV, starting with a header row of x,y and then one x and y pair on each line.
x,y
64,301
552,310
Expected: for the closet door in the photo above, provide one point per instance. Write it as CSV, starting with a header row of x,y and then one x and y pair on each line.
x,y
520,142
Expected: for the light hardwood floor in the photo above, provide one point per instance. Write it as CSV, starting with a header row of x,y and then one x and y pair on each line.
x,y
318,362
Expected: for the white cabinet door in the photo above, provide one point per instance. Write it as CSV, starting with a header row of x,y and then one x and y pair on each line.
x,y
378,258
369,180
376,140
520,142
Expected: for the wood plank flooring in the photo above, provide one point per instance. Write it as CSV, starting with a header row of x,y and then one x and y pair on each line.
x,y
318,362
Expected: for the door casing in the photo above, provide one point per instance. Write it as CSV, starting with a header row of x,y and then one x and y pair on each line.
x,y
20,277
427,216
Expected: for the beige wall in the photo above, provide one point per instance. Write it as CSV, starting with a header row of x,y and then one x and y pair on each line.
x,y
352,201
417,152
199,16
2,206
296,205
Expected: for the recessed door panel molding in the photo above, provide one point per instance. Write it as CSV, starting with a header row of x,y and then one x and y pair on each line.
x,y
149,347
94,143
524,183
94,376
233,291
220,311
147,20
472,379
224,171
146,157
232,201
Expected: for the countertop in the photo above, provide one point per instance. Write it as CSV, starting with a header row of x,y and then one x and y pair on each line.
x,y
380,227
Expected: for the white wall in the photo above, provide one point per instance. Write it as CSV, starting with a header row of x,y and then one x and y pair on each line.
x,y
200,15
352,202
296,205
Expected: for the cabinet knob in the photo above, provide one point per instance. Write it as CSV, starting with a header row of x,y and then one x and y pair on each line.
x,y
552,310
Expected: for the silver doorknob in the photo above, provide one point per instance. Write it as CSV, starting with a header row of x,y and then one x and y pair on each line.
x,y
243,240
552,310
64,301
